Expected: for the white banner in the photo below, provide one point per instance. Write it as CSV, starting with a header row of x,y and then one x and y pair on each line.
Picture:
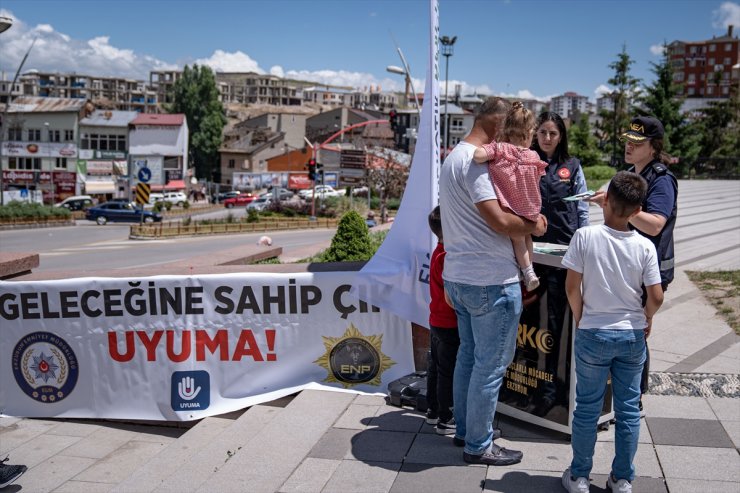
x,y
183,348
399,271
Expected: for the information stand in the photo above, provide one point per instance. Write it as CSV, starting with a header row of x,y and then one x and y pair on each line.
x,y
539,385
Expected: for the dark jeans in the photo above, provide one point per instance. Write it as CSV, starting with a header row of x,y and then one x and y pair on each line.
x,y
645,379
443,344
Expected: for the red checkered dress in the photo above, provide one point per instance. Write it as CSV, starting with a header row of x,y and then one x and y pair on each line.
x,y
515,173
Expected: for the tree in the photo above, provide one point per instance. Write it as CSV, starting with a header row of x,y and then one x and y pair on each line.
x,y
615,122
662,99
718,126
351,241
195,94
582,143
386,174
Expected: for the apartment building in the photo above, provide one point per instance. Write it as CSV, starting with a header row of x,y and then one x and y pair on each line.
x,y
102,162
705,68
292,125
40,145
568,104
109,92
160,143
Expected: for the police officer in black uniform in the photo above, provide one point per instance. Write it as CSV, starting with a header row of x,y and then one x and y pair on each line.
x,y
643,149
563,177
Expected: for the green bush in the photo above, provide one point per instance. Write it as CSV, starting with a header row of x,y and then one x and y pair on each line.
x,y
25,210
168,205
252,216
186,204
158,206
351,241
599,172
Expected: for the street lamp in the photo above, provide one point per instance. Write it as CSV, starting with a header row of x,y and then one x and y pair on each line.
x,y
51,163
5,23
447,51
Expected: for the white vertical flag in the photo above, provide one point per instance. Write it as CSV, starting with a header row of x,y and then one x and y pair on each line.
x,y
397,277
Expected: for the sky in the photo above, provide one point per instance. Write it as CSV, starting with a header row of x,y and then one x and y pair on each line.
x,y
521,48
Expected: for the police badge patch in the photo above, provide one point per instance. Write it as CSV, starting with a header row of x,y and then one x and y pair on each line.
x,y
45,367
354,358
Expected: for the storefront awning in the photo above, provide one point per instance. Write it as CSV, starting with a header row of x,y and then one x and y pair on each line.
x,y
171,185
102,186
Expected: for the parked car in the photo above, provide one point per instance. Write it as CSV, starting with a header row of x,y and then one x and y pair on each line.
x,y
155,197
177,198
283,194
119,212
220,197
76,202
322,191
240,200
260,203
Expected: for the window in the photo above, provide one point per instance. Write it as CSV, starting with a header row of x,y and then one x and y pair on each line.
x,y
26,163
121,140
725,90
728,47
69,135
701,76
712,48
693,50
34,134
232,163
710,90
55,136
692,63
98,142
711,61
15,133
678,77
692,78
61,162
691,91
727,61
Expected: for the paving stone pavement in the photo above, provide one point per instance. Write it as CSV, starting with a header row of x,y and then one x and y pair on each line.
x,y
689,440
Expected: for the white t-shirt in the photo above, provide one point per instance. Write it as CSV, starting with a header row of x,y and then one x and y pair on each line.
x,y
615,265
476,254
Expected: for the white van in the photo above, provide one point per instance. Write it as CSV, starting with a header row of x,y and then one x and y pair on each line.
x,y
155,197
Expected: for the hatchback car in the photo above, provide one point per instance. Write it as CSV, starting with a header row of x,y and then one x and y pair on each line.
x,y
120,212
76,202
283,194
261,203
176,198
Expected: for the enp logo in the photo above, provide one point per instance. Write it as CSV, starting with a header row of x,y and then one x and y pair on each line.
x,y
190,390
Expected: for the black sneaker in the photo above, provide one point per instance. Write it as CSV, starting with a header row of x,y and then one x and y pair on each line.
x,y
9,473
497,456
460,442
432,417
445,426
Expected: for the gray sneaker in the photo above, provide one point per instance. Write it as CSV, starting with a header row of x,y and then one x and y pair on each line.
x,y
621,486
575,485
445,426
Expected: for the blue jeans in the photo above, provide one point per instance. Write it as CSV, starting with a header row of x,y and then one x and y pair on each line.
x,y
487,321
599,352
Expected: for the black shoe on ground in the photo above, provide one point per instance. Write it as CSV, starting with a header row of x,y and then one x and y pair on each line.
x,y
460,442
432,417
497,456
9,473
445,426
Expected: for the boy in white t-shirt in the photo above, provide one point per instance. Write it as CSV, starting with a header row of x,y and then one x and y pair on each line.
x,y
607,267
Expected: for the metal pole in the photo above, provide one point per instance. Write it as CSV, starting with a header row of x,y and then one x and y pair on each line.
x,y
4,128
447,114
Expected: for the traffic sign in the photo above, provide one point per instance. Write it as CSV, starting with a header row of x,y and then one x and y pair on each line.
x,y
144,174
142,193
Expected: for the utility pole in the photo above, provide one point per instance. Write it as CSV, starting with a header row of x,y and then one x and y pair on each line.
x,y
447,51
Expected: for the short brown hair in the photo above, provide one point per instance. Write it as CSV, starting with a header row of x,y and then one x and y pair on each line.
x,y
626,193
492,106
435,222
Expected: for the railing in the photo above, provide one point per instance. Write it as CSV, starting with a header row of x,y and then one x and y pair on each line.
x,y
172,229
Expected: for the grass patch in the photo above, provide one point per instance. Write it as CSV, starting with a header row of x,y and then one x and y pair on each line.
x,y
722,289
271,260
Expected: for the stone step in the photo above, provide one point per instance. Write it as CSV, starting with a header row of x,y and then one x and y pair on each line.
x,y
212,454
166,463
263,464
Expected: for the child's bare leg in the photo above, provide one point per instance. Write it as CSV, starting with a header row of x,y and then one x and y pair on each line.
x,y
523,250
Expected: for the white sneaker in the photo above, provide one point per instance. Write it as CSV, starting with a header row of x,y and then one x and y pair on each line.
x,y
578,485
621,486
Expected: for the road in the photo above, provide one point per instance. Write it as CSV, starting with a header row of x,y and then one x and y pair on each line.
x,y
90,246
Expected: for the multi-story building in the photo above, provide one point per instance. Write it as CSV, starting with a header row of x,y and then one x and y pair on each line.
x,y
568,104
109,92
461,123
604,102
704,68
40,145
292,125
321,126
102,164
160,143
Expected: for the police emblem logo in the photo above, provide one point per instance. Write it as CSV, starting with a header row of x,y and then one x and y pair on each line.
x,y
45,367
637,128
564,173
354,358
